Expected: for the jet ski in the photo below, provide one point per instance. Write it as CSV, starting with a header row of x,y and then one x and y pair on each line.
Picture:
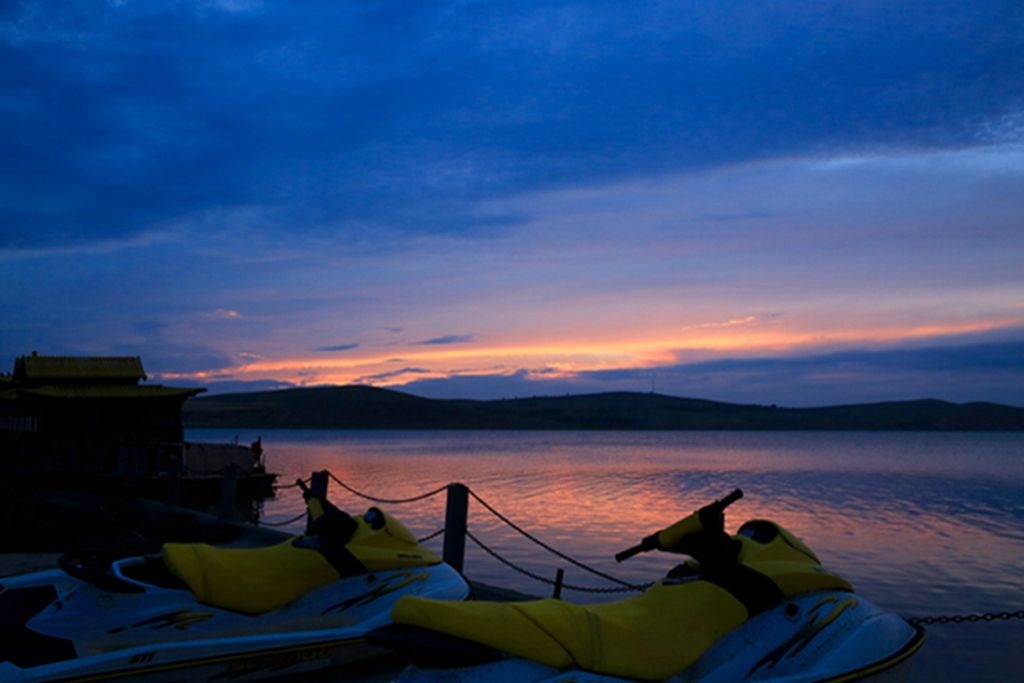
x,y
197,612
754,606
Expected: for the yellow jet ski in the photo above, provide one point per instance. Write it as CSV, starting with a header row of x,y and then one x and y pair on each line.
x,y
754,606
198,612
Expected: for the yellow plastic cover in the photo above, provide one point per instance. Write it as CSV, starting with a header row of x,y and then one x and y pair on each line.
x,y
651,636
390,547
687,526
248,580
789,563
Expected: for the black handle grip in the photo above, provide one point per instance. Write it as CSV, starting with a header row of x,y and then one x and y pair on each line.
x,y
626,554
728,500
649,543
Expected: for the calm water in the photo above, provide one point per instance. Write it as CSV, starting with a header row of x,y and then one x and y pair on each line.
x,y
921,523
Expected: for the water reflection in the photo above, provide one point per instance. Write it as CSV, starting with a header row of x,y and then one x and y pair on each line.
x,y
920,523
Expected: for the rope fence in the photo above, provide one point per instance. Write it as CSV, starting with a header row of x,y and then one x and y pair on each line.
x,y
622,587
286,522
282,487
542,544
430,536
388,501
537,577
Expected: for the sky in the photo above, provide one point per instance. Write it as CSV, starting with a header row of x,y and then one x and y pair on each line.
x,y
767,202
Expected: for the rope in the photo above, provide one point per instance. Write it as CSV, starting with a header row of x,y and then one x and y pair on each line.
x,y
389,501
624,586
544,545
543,579
965,618
284,523
281,487
430,536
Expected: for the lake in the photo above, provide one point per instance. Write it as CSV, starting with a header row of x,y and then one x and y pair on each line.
x,y
920,523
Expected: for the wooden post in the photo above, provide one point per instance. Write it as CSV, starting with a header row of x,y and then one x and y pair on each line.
x,y
559,577
455,525
317,489
229,491
173,480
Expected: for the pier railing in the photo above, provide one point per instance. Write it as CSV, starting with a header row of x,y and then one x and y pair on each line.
x,y
456,531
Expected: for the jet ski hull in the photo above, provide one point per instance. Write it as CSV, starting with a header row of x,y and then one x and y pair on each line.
x,y
822,637
55,627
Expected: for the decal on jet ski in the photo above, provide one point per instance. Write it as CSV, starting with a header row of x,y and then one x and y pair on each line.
x,y
273,662
392,584
301,653
181,619
808,632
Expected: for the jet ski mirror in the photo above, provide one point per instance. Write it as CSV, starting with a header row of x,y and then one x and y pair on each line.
x,y
701,534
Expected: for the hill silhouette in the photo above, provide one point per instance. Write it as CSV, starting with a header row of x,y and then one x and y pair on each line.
x,y
362,407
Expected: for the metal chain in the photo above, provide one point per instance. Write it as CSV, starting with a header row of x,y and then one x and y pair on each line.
x,y
624,586
284,523
430,536
965,618
544,545
544,579
389,501
281,487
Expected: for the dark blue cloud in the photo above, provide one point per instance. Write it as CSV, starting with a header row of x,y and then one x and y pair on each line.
x,y
232,386
385,376
971,372
338,347
118,119
448,339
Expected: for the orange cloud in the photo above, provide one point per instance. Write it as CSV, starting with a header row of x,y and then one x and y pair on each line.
x,y
564,358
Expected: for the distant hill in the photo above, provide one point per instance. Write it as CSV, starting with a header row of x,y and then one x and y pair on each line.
x,y
361,407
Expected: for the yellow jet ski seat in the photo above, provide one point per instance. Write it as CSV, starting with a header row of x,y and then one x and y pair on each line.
x,y
651,636
258,580
248,580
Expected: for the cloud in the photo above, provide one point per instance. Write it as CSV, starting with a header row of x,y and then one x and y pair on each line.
x,y
972,372
235,386
338,347
493,386
447,339
341,117
391,375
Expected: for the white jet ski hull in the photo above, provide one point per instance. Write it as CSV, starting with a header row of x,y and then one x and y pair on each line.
x,y
86,633
824,637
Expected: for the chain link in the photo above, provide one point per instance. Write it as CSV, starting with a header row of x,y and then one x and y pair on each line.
x,y
623,586
282,487
286,522
626,586
965,618
430,536
389,501
543,579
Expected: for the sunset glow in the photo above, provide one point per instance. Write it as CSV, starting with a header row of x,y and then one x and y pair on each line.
x,y
572,357
443,202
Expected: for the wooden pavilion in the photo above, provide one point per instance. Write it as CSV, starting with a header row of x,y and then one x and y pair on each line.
x,y
88,413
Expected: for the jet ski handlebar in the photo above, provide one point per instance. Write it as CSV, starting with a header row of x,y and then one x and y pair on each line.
x,y
696,521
